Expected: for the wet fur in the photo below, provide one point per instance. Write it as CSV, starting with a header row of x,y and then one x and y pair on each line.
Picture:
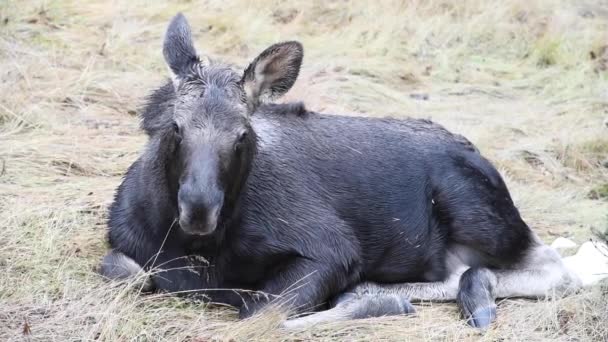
x,y
350,199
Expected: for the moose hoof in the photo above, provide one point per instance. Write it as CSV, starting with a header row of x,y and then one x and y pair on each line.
x,y
407,306
476,297
482,317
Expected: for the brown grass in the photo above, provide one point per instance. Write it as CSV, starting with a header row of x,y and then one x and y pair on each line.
x,y
525,80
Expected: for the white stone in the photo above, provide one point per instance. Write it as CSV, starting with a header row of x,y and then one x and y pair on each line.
x,y
562,243
590,263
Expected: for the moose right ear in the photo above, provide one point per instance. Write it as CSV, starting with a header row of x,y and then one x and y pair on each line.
x,y
178,47
272,73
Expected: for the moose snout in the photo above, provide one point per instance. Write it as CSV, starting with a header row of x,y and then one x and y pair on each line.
x,y
199,211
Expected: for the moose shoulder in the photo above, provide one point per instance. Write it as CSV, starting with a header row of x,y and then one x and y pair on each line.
x,y
234,192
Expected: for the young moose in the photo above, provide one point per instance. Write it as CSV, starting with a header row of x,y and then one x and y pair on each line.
x,y
370,214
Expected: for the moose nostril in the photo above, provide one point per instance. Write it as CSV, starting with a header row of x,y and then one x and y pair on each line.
x,y
198,213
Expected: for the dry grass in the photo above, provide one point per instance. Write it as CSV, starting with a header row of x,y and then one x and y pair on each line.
x,y
525,80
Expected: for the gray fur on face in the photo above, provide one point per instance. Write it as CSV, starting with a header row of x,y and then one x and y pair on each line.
x,y
210,109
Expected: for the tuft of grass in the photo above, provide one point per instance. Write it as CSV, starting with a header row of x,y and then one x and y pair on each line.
x,y
585,156
547,52
524,80
599,192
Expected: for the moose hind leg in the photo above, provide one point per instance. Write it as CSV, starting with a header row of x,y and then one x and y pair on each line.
x,y
375,300
541,273
351,306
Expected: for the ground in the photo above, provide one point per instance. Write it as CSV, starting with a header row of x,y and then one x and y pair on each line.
x,y
525,80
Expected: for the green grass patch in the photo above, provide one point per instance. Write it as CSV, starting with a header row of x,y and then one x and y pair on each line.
x,y
599,192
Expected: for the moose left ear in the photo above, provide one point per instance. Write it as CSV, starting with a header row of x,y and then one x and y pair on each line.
x,y
178,47
272,73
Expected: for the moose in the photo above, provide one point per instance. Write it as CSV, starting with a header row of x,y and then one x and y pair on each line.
x,y
338,217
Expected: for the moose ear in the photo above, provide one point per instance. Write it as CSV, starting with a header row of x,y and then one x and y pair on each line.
x,y
178,48
272,73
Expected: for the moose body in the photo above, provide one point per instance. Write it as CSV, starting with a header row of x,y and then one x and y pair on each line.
x,y
368,213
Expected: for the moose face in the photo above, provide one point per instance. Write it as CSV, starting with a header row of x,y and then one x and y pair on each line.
x,y
210,127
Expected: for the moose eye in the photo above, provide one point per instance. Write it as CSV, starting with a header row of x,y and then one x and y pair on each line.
x,y
242,137
241,140
176,132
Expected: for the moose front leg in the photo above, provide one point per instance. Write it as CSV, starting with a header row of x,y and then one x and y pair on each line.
x,y
169,272
301,286
179,275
